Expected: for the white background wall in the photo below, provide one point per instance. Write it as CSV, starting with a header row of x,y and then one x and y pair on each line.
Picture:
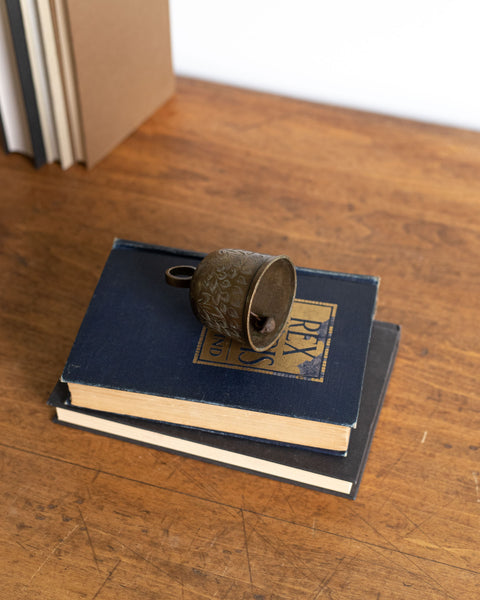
x,y
413,58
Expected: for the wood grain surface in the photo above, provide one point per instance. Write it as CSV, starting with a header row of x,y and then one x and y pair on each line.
x,y
84,516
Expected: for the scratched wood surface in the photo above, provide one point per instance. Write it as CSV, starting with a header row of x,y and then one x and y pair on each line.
x,y
88,517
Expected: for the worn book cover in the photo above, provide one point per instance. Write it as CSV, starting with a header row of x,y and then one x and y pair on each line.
x,y
140,351
302,466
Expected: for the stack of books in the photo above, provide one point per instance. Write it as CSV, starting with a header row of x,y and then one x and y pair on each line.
x,y
143,369
77,77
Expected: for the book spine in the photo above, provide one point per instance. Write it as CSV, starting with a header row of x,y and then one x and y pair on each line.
x,y
64,46
40,78
26,80
62,125
17,134
3,139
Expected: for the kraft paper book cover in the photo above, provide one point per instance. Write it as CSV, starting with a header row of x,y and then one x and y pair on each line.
x,y
122,66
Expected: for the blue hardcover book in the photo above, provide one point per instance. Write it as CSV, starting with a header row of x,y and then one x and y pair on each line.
x,y
141,352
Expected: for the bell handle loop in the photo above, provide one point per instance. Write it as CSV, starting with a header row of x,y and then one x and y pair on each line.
x,y
180,275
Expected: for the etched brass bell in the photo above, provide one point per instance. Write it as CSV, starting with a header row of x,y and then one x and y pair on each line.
x,y
243,295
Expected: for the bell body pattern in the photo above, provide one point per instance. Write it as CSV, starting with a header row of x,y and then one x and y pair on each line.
x,y
244,295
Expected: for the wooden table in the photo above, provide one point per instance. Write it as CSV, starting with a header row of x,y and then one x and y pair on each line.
x,y
84,516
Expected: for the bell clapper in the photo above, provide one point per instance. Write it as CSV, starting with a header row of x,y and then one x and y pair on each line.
x,y
262,324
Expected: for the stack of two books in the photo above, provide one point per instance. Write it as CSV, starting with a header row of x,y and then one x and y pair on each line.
x,y
143,369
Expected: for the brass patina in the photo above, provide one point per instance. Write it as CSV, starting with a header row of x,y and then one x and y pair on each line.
x,y
243,295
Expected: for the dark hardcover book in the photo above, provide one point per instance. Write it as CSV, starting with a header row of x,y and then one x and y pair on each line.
x,y
302,466
26,80
141,352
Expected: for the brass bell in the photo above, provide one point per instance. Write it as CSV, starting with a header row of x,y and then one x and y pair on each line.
x,y
243,295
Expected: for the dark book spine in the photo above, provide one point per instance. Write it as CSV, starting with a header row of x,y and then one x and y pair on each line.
x,y
25,72
3,138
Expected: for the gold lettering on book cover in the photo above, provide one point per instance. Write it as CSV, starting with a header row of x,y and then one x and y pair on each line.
x,y
301,351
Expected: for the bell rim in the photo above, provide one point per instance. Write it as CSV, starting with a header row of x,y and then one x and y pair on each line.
x,y
255,282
